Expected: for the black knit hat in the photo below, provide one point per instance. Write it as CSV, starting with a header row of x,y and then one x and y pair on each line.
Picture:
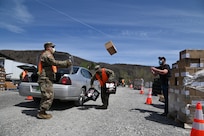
x,y
160,58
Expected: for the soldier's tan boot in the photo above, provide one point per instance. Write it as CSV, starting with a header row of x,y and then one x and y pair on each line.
x,y
43,115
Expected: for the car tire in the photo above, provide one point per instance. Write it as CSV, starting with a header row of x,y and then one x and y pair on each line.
x,y
81,99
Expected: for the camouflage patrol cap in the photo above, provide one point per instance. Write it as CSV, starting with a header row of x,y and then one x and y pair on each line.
x,y
48,44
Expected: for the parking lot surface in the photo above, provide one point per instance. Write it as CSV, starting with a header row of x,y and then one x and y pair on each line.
x,y
127,115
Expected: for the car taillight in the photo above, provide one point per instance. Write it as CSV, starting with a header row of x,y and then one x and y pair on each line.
x,y
66,81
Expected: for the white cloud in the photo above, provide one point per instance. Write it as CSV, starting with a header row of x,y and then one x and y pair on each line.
x,y
15,14
12,28
21,12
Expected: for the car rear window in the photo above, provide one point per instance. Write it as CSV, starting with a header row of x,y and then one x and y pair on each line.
x,y
67,70
62,71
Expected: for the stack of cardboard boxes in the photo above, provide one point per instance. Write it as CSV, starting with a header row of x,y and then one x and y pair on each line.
x,y
182,98
2,79
5,85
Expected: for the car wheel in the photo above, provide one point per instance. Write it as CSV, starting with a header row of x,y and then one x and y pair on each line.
x,y
81,99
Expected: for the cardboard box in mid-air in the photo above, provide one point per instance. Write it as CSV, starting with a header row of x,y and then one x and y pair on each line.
x,y
110,48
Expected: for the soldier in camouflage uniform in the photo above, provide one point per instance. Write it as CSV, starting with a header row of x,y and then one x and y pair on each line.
x,y
46,70
103,75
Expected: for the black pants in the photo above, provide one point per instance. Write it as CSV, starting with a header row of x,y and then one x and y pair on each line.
x,y
104,96
165,93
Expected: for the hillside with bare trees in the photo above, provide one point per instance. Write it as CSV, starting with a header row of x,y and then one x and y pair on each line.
x,y
127,71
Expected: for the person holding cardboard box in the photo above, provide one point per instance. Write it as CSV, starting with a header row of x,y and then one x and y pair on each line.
x,y
47,69
164,73
103,75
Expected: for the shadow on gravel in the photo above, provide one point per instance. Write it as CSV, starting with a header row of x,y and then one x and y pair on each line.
x,y
27,104
156,117
57,105
33,107
87,107
159,106
32,113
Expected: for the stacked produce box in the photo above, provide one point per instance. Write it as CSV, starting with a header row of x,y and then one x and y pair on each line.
x,y
183,96
2,79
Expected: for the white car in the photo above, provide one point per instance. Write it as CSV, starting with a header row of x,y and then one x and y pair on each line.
x,y
70,85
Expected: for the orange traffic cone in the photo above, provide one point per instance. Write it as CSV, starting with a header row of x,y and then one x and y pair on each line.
x,y
149,97
198,122
29,98
142,90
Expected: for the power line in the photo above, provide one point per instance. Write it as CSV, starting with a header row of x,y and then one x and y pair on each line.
x,y
67,15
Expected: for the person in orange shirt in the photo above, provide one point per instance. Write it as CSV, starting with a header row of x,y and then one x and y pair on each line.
x,y
103,75
24,75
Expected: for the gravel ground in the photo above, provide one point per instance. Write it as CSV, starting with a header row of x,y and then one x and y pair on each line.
x,y
127,115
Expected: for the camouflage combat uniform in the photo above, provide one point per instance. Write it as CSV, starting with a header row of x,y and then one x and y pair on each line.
x,y
46,78
104,96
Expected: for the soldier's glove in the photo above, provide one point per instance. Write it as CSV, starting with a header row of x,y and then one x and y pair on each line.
x,y
69,62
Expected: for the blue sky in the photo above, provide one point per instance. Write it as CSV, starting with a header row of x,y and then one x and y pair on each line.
x,y
141,30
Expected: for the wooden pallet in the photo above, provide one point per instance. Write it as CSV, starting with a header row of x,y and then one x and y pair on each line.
x,y
184,124
10,86
172,115
2,89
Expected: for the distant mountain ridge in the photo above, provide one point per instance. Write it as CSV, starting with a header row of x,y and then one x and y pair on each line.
x,y
127,71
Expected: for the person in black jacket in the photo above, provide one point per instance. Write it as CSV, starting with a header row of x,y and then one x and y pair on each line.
x,y
164,73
